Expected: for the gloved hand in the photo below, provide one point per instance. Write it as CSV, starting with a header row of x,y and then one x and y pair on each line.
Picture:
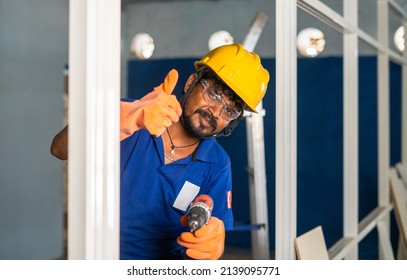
x,y
154,112
207,243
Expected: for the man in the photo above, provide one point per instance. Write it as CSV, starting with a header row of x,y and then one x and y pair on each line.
x,y
169,156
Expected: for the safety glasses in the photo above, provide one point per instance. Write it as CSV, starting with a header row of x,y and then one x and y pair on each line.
x,y
212,97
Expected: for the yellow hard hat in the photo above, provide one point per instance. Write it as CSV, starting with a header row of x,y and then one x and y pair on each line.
x,y
240,70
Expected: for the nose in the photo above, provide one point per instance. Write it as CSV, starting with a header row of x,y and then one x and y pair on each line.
x,y
216,110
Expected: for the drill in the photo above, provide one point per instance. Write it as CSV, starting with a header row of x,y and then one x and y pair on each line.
x,y
199,212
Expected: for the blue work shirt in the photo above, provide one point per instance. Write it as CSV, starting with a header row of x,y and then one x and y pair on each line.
x,y
154,196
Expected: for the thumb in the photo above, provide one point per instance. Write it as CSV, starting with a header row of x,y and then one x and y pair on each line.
x,y
170,82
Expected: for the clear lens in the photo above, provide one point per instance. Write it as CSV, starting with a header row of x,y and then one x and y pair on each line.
x,y
214,98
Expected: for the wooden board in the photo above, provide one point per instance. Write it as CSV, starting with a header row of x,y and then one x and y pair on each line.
x,y
402,170
399,198
311,245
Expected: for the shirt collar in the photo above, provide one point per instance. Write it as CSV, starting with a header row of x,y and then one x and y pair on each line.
x,y
206,151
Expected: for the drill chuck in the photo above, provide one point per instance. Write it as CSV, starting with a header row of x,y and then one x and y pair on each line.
x,y
199,212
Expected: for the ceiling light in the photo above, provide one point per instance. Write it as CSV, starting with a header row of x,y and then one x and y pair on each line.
x,y
142,46
399,38
310,42
219,38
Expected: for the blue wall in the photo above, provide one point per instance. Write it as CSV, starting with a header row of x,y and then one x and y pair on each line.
x,y
320,133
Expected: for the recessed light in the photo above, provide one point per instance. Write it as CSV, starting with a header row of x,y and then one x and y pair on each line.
x,y
310,42
142,46
219,38
399,38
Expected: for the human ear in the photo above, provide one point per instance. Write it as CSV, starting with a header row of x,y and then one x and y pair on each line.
x,y
189,82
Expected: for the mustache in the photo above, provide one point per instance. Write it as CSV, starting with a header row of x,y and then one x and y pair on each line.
x,y
208,115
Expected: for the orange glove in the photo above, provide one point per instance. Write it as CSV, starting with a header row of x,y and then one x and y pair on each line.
x,y
207,243
154,112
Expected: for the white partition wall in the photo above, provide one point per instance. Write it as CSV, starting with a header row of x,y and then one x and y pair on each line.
x,y
350,128
93,179
354,230
286,128
383,104
94,64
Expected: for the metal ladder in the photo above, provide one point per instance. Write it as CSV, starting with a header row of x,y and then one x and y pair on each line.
x,y
256,159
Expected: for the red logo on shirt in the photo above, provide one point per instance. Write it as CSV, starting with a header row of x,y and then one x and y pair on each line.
x,y
229,199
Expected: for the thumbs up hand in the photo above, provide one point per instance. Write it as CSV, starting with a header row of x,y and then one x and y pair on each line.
x,y
155,111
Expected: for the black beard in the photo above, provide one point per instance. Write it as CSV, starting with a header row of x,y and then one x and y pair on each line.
x,y
197,131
